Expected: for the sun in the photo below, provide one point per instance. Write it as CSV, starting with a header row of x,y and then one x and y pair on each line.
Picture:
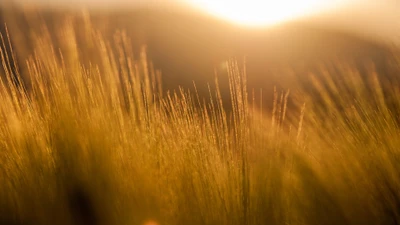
x,y
262,12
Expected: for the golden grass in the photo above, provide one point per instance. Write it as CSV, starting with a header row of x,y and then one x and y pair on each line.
x,y
103,128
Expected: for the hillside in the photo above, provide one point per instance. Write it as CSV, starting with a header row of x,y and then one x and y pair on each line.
x,y
190,47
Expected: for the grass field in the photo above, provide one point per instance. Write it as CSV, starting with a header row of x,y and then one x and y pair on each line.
x,y
99,143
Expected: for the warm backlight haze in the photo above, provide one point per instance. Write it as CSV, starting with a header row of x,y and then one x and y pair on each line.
x,y
267,12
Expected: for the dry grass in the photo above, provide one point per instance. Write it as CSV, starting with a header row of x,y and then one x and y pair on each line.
x,y
97,143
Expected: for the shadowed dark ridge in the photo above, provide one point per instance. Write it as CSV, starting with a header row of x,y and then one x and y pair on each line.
x,y
189,48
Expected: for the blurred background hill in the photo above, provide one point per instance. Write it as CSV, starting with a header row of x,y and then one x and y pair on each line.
x,y
189,46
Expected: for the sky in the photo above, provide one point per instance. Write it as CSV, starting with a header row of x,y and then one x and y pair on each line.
x,y
379,19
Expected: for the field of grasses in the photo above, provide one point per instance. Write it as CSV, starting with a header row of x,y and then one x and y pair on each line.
x,y
99,142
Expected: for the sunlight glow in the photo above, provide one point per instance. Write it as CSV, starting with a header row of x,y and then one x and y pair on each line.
x,y
263,12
